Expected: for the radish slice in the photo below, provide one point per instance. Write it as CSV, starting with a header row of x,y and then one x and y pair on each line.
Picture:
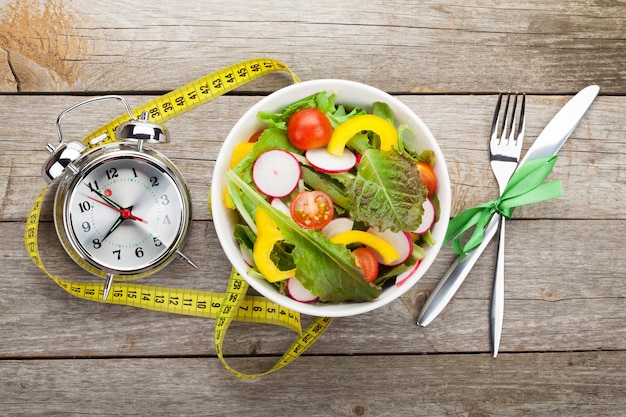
x,y
401,241
403,277
277,203
276,173
324,161
246,255
338,225
428,218
298,292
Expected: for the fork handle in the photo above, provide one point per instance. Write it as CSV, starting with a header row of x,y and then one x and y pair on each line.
x,y
454,277
496,315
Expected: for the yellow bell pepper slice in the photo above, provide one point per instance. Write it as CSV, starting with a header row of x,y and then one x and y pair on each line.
x,y
267,236
240,151
386,251
345,131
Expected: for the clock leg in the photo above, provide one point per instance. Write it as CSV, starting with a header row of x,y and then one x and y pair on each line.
x,y
107,287
185,258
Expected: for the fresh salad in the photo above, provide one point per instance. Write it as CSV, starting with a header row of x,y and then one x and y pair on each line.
x,y
334,204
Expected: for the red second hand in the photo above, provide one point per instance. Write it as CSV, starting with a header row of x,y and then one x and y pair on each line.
x,y
125,213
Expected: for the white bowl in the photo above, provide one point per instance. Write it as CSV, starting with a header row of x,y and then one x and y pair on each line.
x,y
348,93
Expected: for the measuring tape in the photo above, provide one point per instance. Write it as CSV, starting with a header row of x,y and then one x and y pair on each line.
x,y
234,304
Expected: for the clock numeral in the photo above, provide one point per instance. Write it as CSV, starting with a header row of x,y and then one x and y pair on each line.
x,y
165,200
84,206
111,173
157,242
86,227
139,252
96,243
118,253
154,181
93,186
166,220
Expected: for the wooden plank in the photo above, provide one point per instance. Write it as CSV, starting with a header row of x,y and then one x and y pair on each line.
x,y
572,384
433,46
589,164
563,292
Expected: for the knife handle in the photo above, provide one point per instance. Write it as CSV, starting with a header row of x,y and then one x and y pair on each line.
x,y
496,314
454,277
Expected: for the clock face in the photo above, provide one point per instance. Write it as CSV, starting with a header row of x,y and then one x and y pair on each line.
x,y
125,214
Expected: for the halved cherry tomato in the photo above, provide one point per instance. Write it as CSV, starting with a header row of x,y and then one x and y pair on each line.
x,y
366,260
312,209
428,177
308,129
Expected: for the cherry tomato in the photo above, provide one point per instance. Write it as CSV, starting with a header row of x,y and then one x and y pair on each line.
x,y
308,129
312,209
366,260
428,177
255,136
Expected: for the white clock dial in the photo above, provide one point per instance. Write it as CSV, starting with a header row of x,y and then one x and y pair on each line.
x,y
125,214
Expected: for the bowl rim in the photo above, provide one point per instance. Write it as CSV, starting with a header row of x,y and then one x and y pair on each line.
x,y
276,101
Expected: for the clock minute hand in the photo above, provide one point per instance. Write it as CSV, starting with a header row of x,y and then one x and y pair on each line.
x,y
113,228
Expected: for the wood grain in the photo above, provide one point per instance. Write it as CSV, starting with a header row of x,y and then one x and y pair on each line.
x,y
576,305
427,385
425,47
593,151
564,337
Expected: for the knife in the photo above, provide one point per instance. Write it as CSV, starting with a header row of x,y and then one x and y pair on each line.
x,y
549,141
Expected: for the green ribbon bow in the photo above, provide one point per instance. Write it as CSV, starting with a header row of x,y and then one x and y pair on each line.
x,y
525,187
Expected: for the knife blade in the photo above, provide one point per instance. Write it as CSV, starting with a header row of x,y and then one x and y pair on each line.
x,y
549,142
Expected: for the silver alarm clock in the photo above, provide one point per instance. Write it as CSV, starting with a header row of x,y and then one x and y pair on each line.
x,y
121,210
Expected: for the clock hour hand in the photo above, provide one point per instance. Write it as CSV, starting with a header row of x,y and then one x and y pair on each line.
x,y
103,196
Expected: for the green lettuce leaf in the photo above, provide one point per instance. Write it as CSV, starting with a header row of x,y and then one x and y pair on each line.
x,y
337,114
324,268
320,181
387,192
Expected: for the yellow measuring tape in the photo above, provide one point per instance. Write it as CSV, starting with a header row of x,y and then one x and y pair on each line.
x,y
234,304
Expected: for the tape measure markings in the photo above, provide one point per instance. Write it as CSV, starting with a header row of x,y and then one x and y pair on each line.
x,y
196,93
189,302
235,304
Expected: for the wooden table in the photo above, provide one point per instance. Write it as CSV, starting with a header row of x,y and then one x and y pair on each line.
x,y
563,348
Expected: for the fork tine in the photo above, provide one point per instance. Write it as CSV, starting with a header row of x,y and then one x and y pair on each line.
x,y
496,119
522,120
505,122
508,131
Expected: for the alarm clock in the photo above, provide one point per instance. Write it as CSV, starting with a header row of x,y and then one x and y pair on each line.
x,y
122,210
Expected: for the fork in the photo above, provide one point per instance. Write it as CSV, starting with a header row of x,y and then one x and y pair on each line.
x,y
505,147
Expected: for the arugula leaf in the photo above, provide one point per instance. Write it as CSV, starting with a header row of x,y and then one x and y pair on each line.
x,y
387,192
324,268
